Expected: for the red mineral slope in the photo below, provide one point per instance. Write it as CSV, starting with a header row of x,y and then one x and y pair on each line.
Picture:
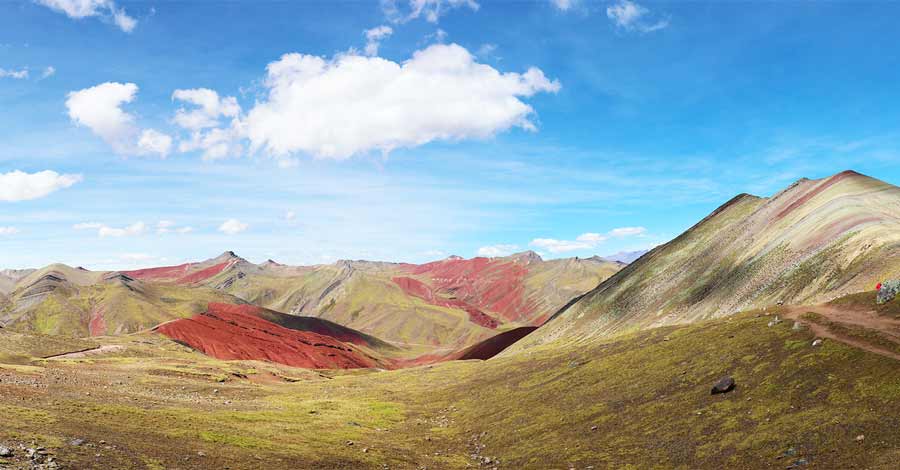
x,y
181,274
235,332
481,286
421,290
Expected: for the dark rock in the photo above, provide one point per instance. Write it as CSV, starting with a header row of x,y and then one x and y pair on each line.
x,y
724,385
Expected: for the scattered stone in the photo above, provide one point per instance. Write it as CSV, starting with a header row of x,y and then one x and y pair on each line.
x,y
365,450
775,321
594,428
724,385
6,452
349,443
817,342
860,438
201,454
76,442
797,326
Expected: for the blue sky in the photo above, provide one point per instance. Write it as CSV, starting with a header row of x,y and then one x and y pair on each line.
x,y
572,128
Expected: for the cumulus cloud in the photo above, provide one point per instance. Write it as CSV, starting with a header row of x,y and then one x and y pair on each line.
x,y
99,108
135,229
204,122
233,227
630,16
585,241
401,11
154,142
208,108
104,9
21,186
497,250
353,104
20,74
5,231
374,37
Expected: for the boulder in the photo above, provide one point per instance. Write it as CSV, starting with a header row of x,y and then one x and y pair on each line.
x,y
887,291
724,385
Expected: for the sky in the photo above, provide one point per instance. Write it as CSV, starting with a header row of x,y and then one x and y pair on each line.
x,y
158,132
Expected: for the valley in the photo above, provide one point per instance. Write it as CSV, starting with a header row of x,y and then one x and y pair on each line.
x,y
505,362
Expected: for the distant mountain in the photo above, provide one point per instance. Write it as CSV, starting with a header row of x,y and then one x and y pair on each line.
x,y
74,302
626,257
810,243
445,305
449,304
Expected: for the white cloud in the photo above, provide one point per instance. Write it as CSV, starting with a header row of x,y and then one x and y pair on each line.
x,y
560,246
8,231
564,5
105,9
627,231
153,141
290,215
630,16
48,72
585,241
135,229
233,227
497,250
204,120
20,74
374,37
401,11
168,226
99,108
353,104
21,186
208,108
215,143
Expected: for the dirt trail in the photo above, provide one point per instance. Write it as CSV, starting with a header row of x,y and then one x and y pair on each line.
x,y
88,352
889,328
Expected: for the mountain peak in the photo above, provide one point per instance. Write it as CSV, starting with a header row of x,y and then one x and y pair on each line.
x,y
528,256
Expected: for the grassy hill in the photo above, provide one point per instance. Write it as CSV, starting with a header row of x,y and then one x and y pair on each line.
x,y
812,242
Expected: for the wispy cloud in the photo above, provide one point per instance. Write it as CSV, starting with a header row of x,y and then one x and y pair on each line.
x,y
103,231
630,16
585,241
104,9
402,11
233,227
497,250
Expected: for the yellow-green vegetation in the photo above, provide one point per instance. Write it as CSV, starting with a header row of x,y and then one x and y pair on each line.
x,y
640,400
124,308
